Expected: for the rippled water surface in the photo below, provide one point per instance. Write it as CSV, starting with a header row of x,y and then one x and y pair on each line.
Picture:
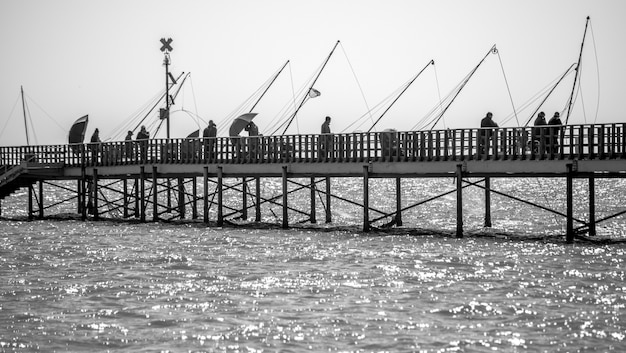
x,y
98,286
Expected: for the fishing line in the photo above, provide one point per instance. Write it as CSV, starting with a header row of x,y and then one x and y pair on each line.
x,y
507,87
357,81
595,51
439,92
10,115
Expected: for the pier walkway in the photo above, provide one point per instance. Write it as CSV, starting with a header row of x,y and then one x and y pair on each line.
x,y
572,151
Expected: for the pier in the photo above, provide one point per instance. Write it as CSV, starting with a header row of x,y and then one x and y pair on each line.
x,y
171,179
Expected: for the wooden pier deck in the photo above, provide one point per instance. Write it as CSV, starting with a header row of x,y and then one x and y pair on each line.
x,y
579,151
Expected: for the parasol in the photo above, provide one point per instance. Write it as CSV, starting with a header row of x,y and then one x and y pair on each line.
x,y
77,131
240,123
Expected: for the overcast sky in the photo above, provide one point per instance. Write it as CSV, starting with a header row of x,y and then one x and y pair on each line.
x,y
102,58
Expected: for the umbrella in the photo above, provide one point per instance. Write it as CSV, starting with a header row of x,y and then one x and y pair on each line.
x,y
77,131
240,123
194,134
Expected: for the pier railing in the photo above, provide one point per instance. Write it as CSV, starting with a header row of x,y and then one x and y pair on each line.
x,y
600,141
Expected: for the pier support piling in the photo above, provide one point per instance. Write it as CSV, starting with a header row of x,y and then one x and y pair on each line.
x,y
329,216
488,202
366,200
155,195
220,196
592,206
244,199
257,201
142,194
94,197
398,202
285,198
312,218
459,201
205,195
569,232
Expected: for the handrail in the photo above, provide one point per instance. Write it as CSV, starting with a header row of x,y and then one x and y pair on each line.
x,y
588,141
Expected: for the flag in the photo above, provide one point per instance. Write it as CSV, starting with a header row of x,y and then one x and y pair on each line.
x,y
314,93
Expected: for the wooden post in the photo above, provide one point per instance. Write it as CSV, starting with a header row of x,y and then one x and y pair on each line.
x,y
329,217
194,200
82,197
569,232
312,218
181,197
96,214
155,196
137,210
487,202
244,198
220,196
257,204
125,196
592,206
398,201
205,195
285,199
30,202
366,199
142,196
40,203
459,201
79,191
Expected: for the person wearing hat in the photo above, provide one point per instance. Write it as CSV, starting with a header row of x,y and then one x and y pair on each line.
x,y
555,132
128,145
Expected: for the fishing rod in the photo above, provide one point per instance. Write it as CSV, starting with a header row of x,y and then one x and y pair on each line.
x,y
580,56
268,86
24,112
309,90
401,93
493,50
549,93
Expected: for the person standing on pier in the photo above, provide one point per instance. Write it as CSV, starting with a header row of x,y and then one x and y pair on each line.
x,y
486,133
209,134
555,132
539,134
128,145
95,145
326,139
142,137
253,132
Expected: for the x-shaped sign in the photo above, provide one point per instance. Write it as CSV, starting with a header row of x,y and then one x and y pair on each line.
x,y
166,44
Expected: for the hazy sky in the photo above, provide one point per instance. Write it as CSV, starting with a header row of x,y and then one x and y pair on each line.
x,y
102,58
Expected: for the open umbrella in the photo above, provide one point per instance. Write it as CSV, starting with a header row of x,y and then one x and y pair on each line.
x,y
240,123
77,131
194,134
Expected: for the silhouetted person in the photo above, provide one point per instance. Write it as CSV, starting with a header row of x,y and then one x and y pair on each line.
x,y
95,144
326,139
209,134
128,145
142,137
540,133
253,132
486,133
555,133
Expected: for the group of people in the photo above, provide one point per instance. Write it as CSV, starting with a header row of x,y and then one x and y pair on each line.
x,y
545,135
547,138
140,144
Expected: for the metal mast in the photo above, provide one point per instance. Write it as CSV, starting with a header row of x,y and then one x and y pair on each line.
x,y
166,48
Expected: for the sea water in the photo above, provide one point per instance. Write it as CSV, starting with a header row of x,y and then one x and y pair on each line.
x,y
68,285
